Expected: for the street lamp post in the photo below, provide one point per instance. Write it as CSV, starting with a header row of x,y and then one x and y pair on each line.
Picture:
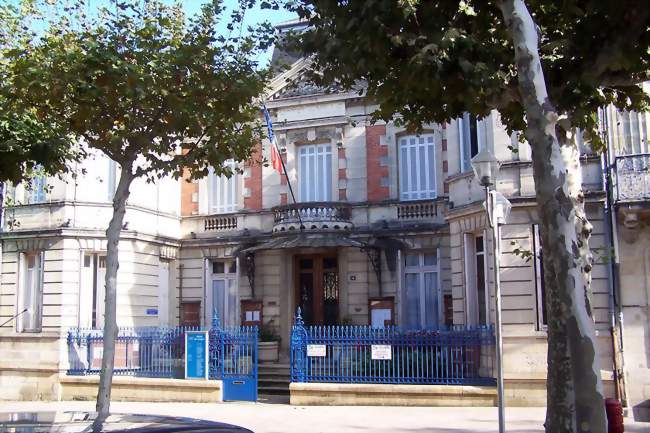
x,y
497,207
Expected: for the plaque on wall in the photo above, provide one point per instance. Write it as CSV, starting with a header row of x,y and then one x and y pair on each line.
x,y
251,312
381,311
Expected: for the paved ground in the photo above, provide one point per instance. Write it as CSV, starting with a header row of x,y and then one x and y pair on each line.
x,y
282,418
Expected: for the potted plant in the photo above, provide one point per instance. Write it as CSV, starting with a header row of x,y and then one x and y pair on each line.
x,y
269,346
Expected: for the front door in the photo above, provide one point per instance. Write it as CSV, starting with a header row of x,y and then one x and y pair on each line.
x,y
317,288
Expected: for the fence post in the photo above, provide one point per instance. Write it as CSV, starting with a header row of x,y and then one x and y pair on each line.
x,y
215,347
298,349
89,353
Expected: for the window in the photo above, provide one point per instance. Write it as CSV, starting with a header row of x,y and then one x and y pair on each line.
x,y
222,191
36,191
417,167
472,137
222,292
476,280
315,172
111,181
540,292
421,305
31,293
633,132
92,294
163,292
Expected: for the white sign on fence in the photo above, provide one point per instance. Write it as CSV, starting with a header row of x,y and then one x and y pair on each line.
x,y
381,351
319,350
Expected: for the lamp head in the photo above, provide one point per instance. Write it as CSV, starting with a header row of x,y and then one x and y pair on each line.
x,y
486,167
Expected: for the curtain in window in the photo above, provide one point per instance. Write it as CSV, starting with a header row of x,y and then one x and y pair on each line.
x,y
412,301
32,293
315,172
417,167
431,299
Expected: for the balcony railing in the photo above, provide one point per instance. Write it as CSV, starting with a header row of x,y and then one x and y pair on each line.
x,y
417,210
314,216
633,177
220,223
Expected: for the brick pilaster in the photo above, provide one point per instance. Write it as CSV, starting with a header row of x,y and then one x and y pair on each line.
x,y
253,182
377,173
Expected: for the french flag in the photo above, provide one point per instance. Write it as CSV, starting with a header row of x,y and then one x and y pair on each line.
x,y
276,159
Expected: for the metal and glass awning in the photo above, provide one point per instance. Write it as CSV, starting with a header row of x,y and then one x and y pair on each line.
x,y
304,240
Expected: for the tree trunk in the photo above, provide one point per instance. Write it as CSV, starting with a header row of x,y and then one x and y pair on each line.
x,y
110,302
574,388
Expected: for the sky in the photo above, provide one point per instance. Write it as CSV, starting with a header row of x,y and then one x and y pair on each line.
x,y
253,16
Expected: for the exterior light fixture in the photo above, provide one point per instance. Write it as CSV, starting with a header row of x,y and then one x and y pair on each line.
x,y
497,207
486,167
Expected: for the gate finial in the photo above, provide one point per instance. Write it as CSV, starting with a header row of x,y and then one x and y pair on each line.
x,y
299,320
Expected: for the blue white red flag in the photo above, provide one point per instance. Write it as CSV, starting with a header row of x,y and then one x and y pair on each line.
x,y
276,159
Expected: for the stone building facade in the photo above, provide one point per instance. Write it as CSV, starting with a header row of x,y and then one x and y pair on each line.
x,y
387,228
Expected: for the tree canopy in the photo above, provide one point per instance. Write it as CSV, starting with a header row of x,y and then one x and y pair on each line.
x,y
433,60
132,79
156,91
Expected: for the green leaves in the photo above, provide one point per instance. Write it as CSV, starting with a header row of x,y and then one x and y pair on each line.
x,y
135,82
431,61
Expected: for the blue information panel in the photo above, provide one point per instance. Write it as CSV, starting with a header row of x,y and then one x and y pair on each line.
x,y
196,355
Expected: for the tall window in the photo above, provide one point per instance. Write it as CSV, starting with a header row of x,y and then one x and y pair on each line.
x,y
111,179
540,289
475,280
417,174
92,294
633,132
31,292
222,191
421,291
471,132
222,294
315,172
36,192
163,292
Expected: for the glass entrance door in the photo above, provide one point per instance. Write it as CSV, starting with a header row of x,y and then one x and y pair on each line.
x,y
222,292
317,289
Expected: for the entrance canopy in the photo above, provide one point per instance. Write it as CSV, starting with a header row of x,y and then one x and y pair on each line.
x,y
304,240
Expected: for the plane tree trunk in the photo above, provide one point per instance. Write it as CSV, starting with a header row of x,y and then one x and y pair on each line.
x,y
110,306
575,401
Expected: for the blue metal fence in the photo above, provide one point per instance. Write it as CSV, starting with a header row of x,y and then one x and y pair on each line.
x,y
140,351
363,354
160,351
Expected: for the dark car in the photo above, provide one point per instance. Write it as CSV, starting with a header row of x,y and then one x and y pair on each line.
x,y
77,422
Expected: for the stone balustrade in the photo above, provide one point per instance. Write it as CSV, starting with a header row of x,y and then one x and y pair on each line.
x,y
417,210
220,223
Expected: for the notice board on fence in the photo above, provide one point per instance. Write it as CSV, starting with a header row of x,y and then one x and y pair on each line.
x,y
196,355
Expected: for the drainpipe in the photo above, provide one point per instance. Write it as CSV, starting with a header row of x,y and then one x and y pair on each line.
x,y
611,234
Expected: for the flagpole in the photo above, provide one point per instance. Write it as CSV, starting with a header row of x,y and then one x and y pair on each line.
x,y
274,142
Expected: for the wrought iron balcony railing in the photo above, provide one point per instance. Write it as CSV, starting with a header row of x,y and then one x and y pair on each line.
x,y
633,177
314,216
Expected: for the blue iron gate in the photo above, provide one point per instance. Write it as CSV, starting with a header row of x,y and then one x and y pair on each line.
x,y
233,359
239,361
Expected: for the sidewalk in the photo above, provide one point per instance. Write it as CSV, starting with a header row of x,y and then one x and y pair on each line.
x,y
281,418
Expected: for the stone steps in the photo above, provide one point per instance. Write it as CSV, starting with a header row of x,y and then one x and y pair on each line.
x,y
274,379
